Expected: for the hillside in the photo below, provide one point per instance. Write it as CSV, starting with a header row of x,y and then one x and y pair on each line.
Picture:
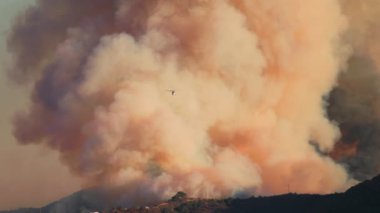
x,y
364,197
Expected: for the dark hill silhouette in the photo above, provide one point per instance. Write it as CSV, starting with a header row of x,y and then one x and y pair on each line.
x,y
364,197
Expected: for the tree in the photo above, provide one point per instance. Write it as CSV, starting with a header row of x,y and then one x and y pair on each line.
x,y
180,196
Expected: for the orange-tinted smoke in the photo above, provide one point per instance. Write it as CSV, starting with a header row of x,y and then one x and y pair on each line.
x,y
248,112
344,150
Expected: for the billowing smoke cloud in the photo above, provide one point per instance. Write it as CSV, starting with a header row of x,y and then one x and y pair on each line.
x,y
247,115
354,104
364,31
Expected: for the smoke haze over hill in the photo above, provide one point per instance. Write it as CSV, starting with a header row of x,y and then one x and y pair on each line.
x,y
249,113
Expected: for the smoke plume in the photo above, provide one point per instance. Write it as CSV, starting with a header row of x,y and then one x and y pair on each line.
x,y
248,113
354,104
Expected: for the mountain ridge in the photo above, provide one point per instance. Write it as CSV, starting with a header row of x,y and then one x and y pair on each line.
x,y
363,197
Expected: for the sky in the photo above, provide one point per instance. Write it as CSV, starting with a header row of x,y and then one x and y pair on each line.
x,y
30,176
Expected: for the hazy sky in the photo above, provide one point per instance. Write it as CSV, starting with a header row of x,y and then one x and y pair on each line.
x,y
24,180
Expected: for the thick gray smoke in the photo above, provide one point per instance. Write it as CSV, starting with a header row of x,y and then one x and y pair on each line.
x,y
355,103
